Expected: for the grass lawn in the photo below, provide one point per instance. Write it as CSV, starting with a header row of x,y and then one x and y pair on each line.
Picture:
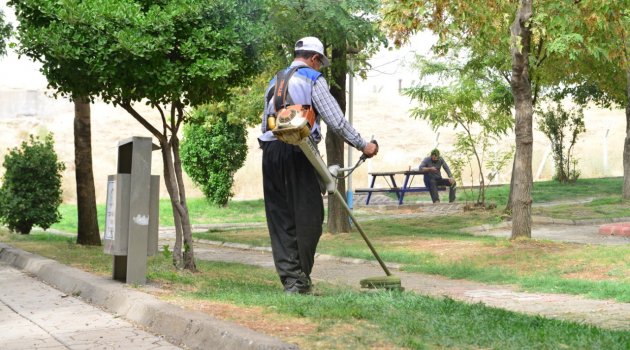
x,y
542,191
437,246
337,318
201,212
600,208
551,191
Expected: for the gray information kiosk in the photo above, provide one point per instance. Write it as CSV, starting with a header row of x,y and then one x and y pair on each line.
x,y
131,222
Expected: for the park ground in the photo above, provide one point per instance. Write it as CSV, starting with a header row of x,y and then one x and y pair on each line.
x,y
468,286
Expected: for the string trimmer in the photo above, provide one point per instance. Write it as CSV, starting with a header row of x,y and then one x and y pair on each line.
x,y
296,135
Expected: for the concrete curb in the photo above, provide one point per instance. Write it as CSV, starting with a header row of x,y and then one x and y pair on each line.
x,y
192,329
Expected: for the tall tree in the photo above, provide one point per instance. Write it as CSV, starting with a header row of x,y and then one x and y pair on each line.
x,y
605,39
87,228
523,107
169,54
485,29
340,25
77,84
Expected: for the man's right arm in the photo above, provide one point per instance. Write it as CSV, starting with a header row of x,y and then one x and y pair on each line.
x,y
329,110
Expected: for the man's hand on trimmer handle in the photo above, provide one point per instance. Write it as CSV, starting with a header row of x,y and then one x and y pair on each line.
x,y
370,150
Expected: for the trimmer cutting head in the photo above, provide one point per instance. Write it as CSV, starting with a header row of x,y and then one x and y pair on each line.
x,y
382,282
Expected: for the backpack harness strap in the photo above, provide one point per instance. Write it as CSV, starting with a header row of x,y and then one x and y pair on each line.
x,y
281,90
283,103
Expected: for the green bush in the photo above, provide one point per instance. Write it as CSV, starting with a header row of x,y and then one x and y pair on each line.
x,y
562,128
31,189
212,152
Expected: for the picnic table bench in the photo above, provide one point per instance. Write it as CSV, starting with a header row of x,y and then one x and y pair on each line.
x,y
390,179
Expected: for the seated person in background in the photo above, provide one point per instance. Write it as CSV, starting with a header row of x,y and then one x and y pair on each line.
x,y
432,166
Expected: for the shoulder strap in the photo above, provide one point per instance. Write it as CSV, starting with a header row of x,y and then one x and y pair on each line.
x,y
282,87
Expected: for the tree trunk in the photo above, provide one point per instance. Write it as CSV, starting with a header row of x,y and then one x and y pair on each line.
x,y
87,229
508,205
173,181
189,252
171,189
338,220
626,144
522,92
174,185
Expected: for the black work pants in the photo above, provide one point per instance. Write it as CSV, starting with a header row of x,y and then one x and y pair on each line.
x,y
294,209
432,184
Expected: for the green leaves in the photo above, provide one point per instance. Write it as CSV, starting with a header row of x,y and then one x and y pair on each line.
x,y
562,128
477,102
338,24
31,188
5,33
212,150
456,94
126,50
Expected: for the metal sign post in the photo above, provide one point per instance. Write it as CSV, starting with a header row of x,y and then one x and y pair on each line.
x,y
131,224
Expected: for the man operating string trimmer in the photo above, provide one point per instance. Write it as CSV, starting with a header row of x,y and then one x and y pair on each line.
x,y
293,197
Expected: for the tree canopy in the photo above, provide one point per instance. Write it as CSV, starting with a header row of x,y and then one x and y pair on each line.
x,y
338,24
5,33
128,51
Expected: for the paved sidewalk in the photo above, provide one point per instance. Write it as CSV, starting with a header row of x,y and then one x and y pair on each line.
x,y
34,315
573,233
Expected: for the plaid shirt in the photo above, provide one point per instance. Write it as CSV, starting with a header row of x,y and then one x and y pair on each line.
x,y
329,110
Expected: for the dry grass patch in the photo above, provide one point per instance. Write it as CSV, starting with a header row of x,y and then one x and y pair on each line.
x,y
257,318
591,273
446,250
301,331
528,256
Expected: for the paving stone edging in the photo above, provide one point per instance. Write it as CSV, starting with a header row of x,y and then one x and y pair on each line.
x,y
193,329
547,221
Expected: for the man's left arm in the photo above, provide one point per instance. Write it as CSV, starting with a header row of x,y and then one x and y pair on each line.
x,y
448,171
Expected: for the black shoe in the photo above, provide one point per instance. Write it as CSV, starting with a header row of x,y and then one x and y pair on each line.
x,y
298,287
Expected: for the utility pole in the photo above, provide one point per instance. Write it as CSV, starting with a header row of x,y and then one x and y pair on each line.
x,y
349,191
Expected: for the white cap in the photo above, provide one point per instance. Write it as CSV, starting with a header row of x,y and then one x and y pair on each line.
x,y
311,43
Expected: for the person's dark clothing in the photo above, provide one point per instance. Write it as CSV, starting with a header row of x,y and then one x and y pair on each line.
x,y
433,183
295,212
433,180
293,199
